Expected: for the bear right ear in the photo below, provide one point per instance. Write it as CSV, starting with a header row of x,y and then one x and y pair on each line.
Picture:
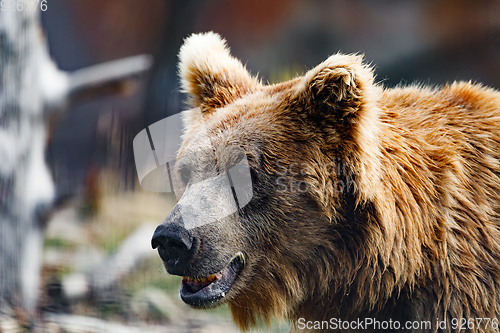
x,y
209,74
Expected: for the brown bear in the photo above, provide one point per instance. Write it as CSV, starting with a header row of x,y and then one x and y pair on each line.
x,y
370,209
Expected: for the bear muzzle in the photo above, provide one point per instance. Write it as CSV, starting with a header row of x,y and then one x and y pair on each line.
x,y
177,248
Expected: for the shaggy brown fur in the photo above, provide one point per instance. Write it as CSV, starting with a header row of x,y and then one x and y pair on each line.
x,y
400,219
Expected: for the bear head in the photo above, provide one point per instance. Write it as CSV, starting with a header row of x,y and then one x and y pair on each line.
x,y
308,148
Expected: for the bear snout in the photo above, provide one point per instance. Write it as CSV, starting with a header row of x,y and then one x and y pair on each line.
x,y
176,246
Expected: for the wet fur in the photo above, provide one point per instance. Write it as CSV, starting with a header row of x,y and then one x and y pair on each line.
x,y
413,235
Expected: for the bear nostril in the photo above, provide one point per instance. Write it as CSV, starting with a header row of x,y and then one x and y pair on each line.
x,y
174,243
162,251
155,243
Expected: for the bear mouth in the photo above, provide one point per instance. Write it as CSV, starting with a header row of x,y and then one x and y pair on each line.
x,y
207,291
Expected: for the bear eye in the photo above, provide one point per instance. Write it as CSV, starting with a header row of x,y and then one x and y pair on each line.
x,y
185,173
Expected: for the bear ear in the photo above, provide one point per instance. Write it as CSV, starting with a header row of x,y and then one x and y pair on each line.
x,y
209,74
341,97
339,88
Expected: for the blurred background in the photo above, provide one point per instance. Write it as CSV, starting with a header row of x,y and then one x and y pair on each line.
x,y
98,269
431,42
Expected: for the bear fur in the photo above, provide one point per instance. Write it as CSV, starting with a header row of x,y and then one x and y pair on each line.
x,y
368,202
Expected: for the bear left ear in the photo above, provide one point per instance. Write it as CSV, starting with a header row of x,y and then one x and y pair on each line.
x,y
339,88
209,74
340,95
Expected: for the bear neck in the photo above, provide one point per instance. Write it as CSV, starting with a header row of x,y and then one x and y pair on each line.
x,y
391,236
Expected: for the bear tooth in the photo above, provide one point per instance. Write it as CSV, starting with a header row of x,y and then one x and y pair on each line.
x,y
241,256
203,279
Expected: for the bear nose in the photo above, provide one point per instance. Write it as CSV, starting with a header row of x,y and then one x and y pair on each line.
x,y
174,243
